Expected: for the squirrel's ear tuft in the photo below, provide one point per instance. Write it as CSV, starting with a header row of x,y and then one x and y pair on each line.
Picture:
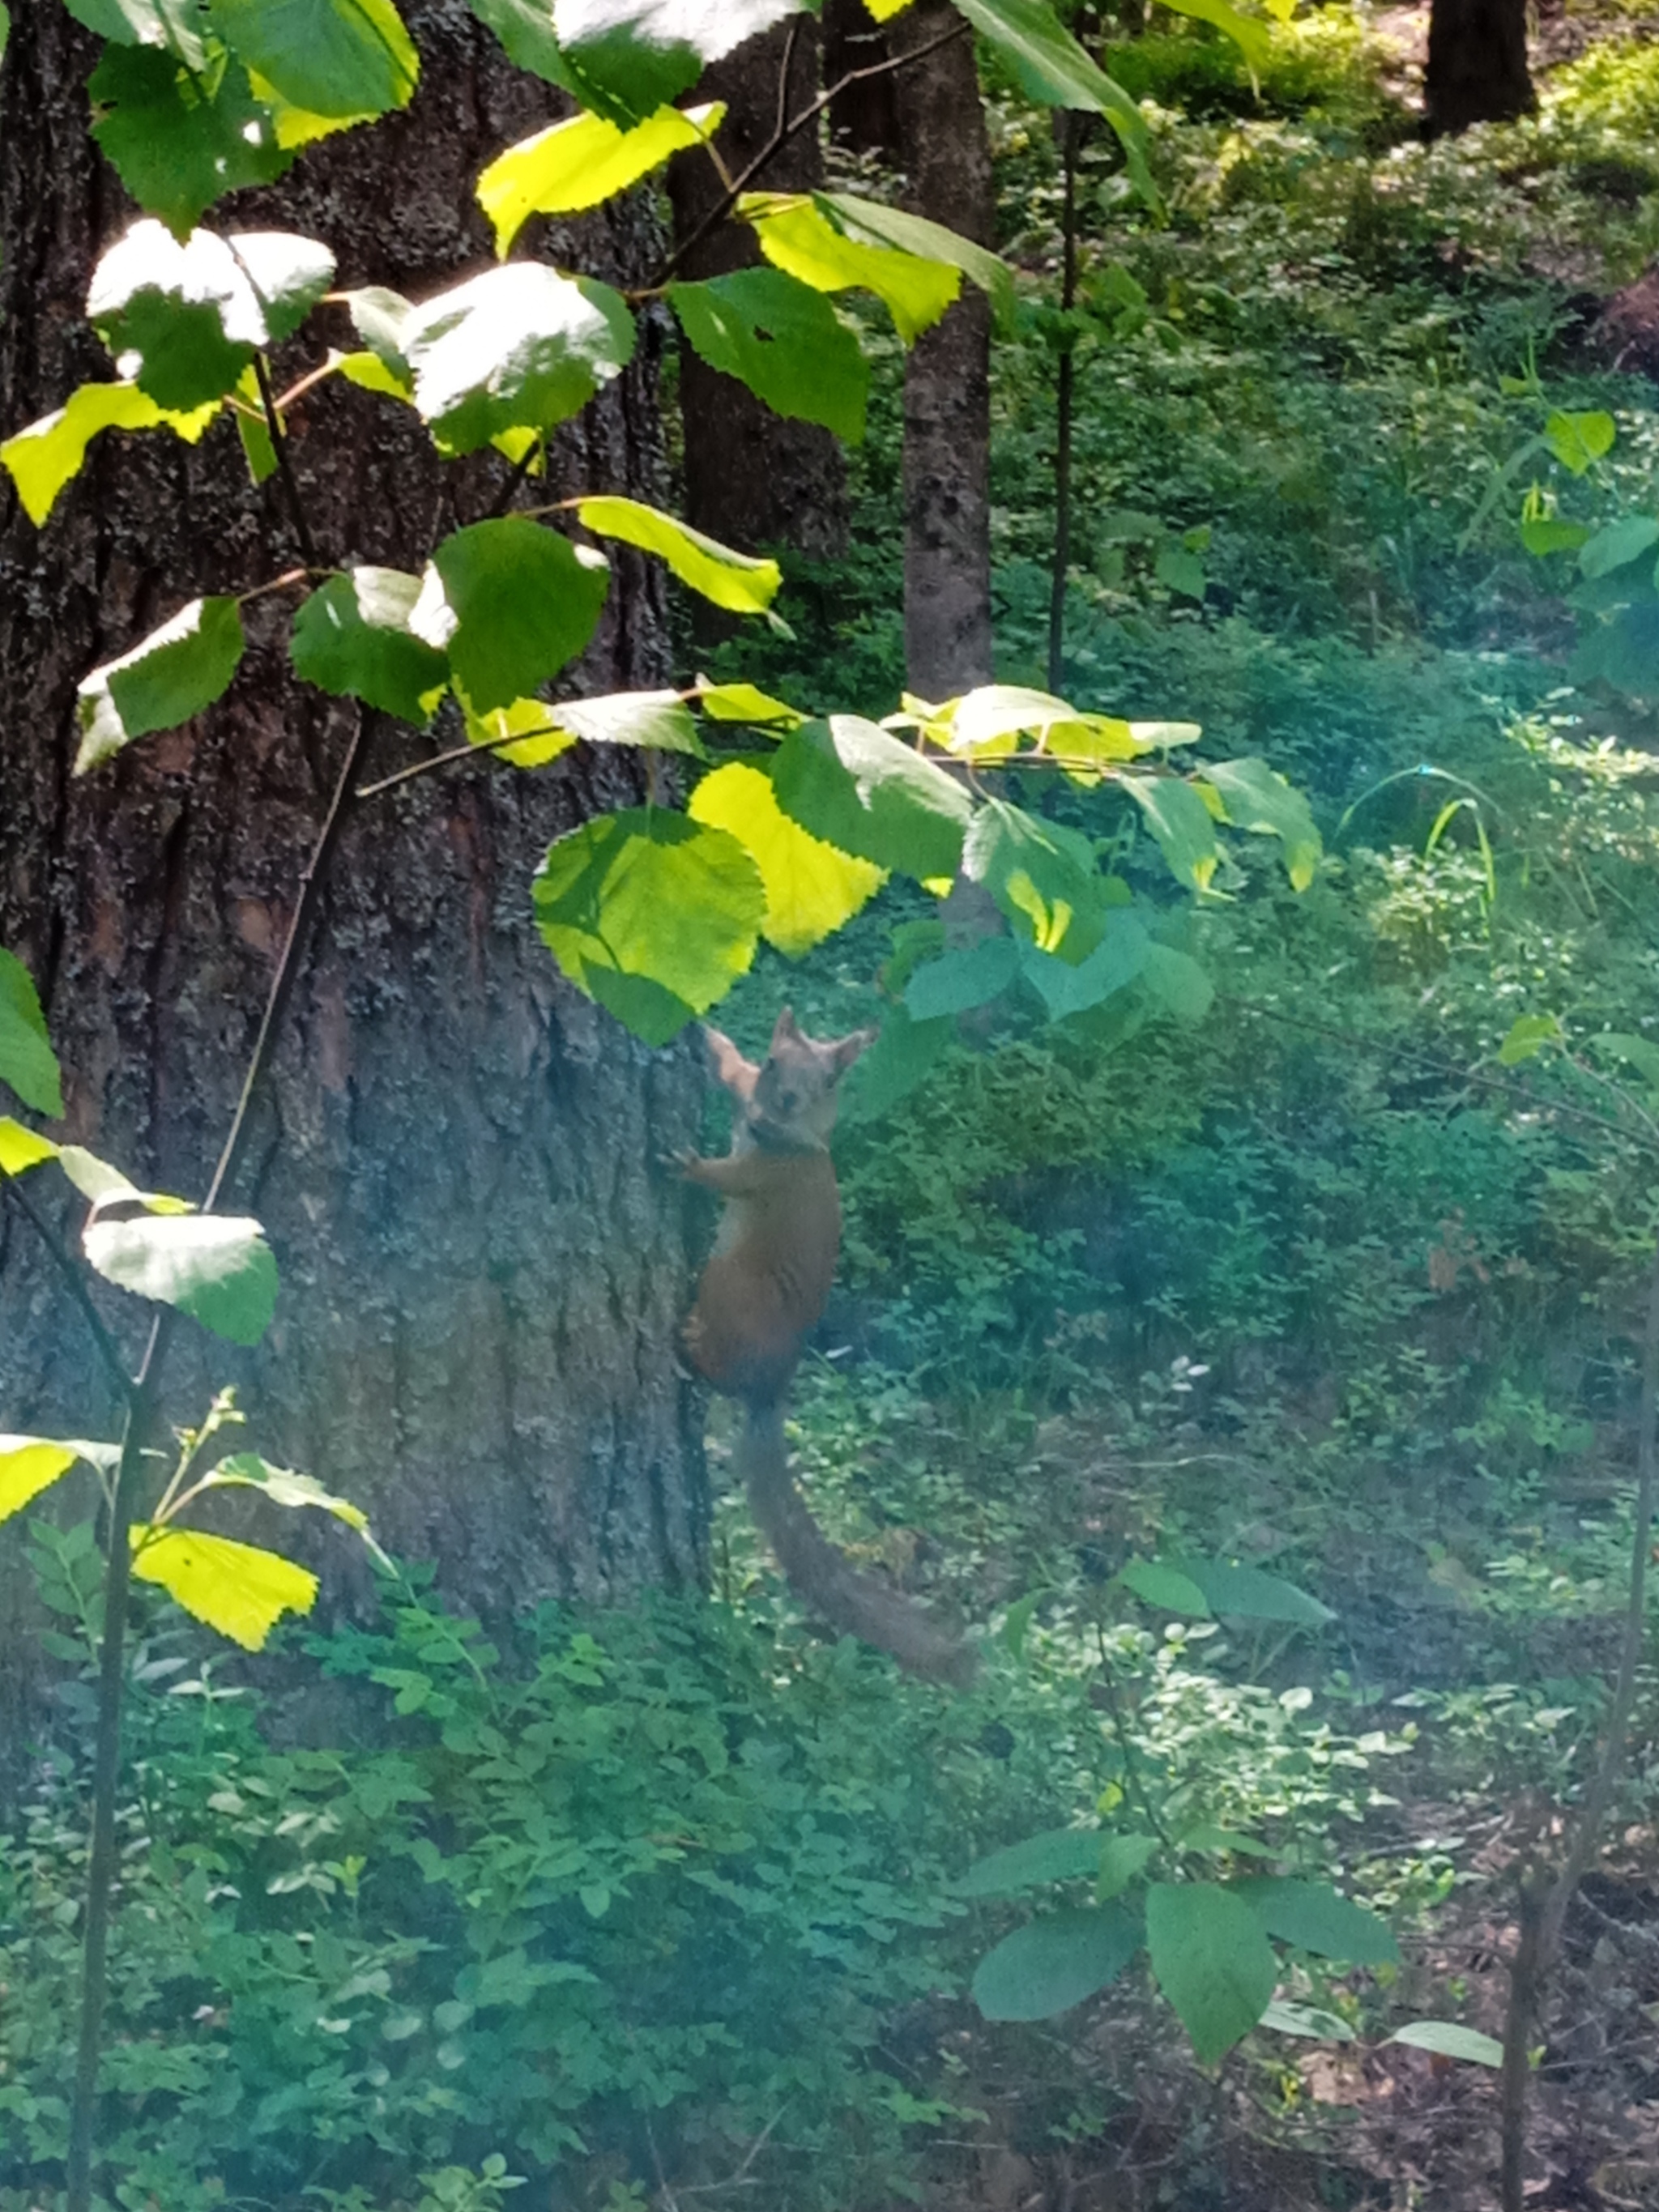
x,y
784,1030
727,1064
846,1049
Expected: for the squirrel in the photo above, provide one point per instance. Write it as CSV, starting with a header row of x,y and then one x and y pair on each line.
x,y
761,1291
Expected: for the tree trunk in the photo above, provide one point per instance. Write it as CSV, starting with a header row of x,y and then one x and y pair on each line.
x,y
947,383
482,1276
753,478
864,118
1477,69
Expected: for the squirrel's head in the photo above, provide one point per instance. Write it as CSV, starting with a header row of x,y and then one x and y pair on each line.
x,y
789,1103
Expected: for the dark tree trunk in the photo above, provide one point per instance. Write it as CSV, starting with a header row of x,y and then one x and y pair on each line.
x,y
947,383
753,478
864,118
1477,70
482,1278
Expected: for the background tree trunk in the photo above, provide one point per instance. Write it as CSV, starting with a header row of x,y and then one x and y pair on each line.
x,y
1477,68
947,383
864,118
482,1275
753,478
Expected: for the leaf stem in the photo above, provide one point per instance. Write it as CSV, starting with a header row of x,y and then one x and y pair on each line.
x,y
284,463
108,1351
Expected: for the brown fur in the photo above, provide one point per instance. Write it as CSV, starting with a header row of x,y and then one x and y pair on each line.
x,y
762,1291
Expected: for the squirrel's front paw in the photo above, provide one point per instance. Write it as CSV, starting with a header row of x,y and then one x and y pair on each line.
x,y
679,1163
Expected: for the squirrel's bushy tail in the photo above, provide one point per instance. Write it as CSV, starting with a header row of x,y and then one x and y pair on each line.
x,y
821,1574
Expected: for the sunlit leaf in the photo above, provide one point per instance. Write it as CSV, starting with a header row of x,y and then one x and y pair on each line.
x,y
216,1268
179,137
797,236
43,458
736,581
658,721
1579,440
654,915
1041,874
1527,1036
519,347
1258,797
1248,33
29,1465
354,636
1548,533
626,57
1180,822
27,1061
1212,1961
174,25
239,1589
875,223
283,1486
1448,2039
341,59
1055,1963
22,1149
856,786
525,601
810,888
782,339
583,160
743,702
163,680
1054,69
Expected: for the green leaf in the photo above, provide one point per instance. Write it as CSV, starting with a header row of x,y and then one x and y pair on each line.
x,y
27,1061
239,1589
180,138
581,161
902,1057
1544,534
356,637
654,915
1041,875
44,458
519,347
1176,981
1213,1961
193,316
162,681
737,581
1181,822
1166,1587
1055,1963
1054,70
1247,32
22,1149
971,975
626,57
1121,1859
338,58
1624,652
1116,962
29,1465
1257,797
1203,1836
1251,1593
525,601
1062,1855
783,340
1527,1036
381,318
859,788
810,888
1618,545
216,1268
525,28
1447,2039
1311,1915
175,25
1181,570
872,222
798,236
537,737
659,721
1639,1054
743,702
283,1487
1577,440
1306,2020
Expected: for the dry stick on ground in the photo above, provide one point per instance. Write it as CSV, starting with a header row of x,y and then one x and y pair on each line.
x,y
1544,1903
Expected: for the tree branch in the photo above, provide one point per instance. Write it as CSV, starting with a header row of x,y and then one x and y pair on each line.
x,y
284,463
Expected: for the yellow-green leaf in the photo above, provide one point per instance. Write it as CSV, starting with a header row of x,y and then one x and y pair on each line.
x,y
583,160
797,236
744,703
239,1589
29,1465
737,581
810,888
21,1149
42,459
537,737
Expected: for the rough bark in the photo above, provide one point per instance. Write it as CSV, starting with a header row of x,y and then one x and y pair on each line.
x,y
482,1275
864,118
947,383
1477,68
753,478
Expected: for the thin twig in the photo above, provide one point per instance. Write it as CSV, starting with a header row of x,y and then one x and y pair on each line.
x,y
108,1350
284,463
521,469
781,138
469,751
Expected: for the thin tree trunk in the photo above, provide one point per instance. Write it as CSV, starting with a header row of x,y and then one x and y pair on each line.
x,y
864,118
754,479
947,383
1070,128
1477,68
480,1275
